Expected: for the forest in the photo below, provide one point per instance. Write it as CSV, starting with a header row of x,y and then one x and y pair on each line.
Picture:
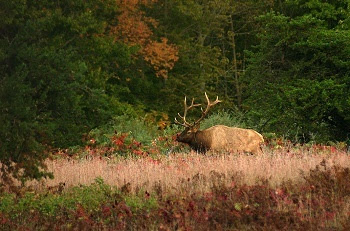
x,y
110,76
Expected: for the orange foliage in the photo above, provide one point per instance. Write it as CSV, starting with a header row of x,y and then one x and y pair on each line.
x,y
134,3
134,29
161,55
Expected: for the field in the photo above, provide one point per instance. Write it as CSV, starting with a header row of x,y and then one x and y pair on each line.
x,y
289,187
275,166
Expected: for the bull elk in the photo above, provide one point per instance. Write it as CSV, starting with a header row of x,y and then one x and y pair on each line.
x,y
218,137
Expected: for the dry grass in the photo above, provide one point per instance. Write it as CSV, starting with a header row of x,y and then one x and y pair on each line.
x,y
179,171
191,191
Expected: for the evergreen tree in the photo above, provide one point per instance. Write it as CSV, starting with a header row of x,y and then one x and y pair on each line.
x,y
298,75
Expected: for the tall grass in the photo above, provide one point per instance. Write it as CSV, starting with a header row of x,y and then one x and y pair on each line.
x,y
286,188
172,172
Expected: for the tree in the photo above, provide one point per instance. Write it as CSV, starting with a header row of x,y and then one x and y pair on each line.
x,y
211,36
193,26
134,29
56,58
298,76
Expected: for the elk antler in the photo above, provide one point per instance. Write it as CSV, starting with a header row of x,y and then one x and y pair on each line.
x,y
205,112
185,123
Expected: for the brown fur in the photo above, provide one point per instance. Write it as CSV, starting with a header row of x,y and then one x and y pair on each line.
x,y
222,138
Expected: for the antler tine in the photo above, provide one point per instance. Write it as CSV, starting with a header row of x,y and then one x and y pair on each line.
x,y
206,96
193,105
213,103
186,108
210,104
177,122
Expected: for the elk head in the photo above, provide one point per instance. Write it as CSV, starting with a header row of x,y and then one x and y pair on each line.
x,y
191,129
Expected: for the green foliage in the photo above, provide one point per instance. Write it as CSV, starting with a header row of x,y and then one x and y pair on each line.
x,y
333,13
143,201
49,204
128,136
7,203
76,201
191,24
299,78
136,128
231,119
55,67
46,205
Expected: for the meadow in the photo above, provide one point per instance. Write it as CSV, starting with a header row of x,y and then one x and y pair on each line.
x,y
275,166
288,187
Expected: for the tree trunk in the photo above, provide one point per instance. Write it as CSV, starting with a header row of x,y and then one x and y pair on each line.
x,y
235,69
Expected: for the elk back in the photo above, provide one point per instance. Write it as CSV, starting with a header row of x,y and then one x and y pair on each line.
x,y
223,138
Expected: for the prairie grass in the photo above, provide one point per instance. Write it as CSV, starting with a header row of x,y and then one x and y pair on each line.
x,y
179,170
286,188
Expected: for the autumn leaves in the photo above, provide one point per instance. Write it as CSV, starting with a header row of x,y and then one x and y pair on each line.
x,y
135,29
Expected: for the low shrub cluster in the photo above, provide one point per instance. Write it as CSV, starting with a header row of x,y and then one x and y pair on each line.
x,y
321,202
124,136
127,136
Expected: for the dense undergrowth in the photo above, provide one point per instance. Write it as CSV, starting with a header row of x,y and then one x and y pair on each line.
x,y
321,202
125,136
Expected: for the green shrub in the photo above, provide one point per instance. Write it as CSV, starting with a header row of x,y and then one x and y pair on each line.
x,y
7,203
89,197
142,201
127,135
233,119
135,127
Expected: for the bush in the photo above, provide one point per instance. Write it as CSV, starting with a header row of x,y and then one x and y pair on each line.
x,y
233,119
134,127
126,135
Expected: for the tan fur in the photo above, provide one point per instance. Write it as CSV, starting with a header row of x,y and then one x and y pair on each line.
x,y
219,137
223,138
